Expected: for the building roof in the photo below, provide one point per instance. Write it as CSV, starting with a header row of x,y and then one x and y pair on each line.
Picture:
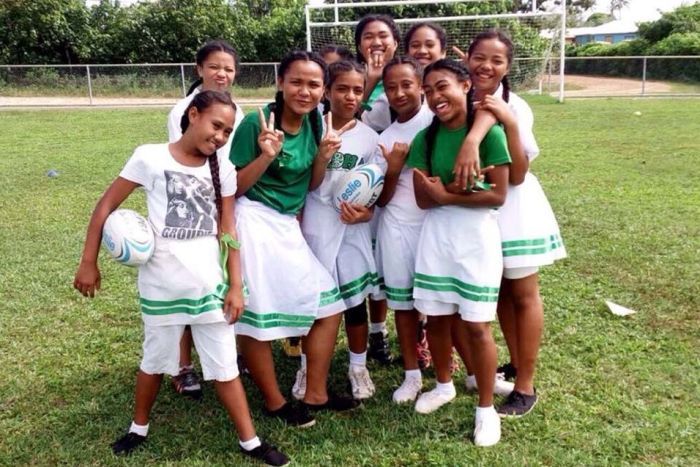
x,y
613,27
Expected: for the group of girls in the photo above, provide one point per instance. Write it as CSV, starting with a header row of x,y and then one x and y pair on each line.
x,y
461,228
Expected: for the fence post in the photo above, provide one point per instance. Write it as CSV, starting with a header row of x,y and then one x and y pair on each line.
x,y
275,66
182,79
87,67
644,75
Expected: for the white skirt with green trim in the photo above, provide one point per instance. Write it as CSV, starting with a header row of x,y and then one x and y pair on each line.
x,y
397,244
344,250
182,283
529,230
288,287
458,260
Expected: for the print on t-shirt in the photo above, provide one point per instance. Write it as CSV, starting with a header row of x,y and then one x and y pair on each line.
x,y
191,207
344,161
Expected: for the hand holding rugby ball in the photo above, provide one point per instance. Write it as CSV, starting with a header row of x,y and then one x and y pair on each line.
x,y
361,185
128,238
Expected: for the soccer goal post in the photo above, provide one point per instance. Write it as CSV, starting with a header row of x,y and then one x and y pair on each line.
x,y
538,36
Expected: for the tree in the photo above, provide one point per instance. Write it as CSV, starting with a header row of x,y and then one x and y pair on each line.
x,y
574,8
682,19
596,19
617,6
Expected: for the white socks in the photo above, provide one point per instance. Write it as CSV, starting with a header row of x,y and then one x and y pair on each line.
x,y
358,359
250,444
141,430
445,388
378,327
303,361
414,374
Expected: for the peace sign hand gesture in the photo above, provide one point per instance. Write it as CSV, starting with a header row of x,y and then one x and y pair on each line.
x,y
270,140
396,158
462,55
331,141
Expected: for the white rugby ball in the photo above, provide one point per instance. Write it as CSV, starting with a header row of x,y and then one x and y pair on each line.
x,y
361,185
128,238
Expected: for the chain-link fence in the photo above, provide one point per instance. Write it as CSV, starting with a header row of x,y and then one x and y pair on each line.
x,y
640,76
164,84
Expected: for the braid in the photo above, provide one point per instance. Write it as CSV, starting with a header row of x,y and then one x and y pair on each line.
x,y
430,141
506,88
216,181
326,106
277,108
470,109
194,86
317,129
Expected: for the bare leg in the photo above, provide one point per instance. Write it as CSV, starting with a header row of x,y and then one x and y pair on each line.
x,y
357,337
318,347
407,330
440,343
484,358
233,398
258,357
460,341
529,316
377,311
186,347
507,320
147,387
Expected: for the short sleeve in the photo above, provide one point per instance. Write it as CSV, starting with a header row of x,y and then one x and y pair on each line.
x,y
174,131
416,154
494,148
137,169
227,176
379,118
244,148
526,120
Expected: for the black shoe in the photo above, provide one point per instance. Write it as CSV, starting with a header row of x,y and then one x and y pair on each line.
x,y
335,403
242,367
508,370
127,443
517,404
267,453
379,348
293,415
187,383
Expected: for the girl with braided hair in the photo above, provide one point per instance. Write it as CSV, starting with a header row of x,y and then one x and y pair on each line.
x,y
194,276
277,152
530,235
458,259
216,64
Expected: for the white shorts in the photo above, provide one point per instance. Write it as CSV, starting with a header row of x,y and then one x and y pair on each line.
x,y
436,308
215,344
519,273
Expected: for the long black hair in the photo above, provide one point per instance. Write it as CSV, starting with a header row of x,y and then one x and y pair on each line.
x,y
204,52
506,40
462,75
202,101
362,24
278,106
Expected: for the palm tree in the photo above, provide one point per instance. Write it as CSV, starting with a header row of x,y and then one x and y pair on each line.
x,y
617,6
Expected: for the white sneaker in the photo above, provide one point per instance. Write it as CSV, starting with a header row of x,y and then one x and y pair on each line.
x,y
299,387
432,400
408,391
487,428
362,385
501,387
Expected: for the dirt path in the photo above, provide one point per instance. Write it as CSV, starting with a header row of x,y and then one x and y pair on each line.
x,y
605,86
70,102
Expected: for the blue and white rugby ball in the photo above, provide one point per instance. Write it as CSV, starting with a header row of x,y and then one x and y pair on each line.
x,y
128,238
361,185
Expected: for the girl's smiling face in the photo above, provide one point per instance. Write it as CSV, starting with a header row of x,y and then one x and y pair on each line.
x,y
447,97
345,94
377,37
488,63
211,127
424,45
217,71
403,90
302,86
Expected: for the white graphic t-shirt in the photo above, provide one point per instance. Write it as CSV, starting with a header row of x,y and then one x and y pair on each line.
x,y
181,199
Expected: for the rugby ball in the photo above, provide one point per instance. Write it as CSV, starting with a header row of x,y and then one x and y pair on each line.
x,y
361,185
128,238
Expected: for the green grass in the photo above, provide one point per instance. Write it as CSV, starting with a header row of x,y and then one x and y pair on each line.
x,y
613,390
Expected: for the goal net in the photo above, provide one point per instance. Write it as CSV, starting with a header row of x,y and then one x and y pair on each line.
x,y
536,35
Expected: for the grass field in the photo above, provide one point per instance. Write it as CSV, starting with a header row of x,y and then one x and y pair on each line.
x,y
613,390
